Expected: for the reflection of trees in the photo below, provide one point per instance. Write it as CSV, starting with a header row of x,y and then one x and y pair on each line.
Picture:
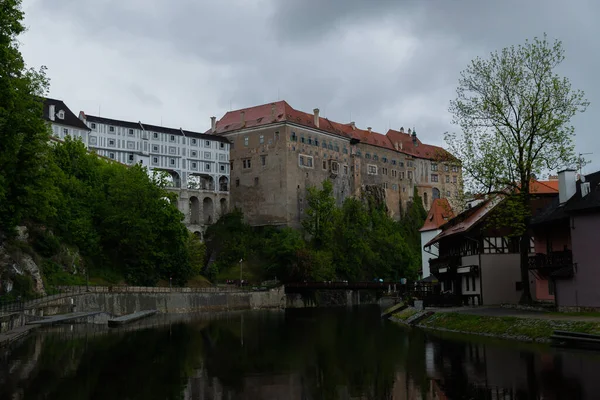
x,y
330,351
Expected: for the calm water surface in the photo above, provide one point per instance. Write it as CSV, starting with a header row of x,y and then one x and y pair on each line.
x,y
296,354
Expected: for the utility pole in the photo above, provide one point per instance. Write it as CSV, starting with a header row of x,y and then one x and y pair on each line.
x,y
241,259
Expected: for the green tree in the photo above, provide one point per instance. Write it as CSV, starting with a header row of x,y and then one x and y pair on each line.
x,y
515,114
23,148
227,241
320,214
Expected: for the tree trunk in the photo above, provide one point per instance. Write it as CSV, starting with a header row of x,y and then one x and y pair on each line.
x,y
524,253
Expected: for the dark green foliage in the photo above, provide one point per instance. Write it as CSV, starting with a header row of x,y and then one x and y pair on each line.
x,y
356,242
118,217
23,133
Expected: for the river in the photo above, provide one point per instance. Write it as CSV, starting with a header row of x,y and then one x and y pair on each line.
x,y
344,353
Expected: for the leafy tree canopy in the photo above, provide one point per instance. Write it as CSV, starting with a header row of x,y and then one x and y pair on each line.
x,y
515,112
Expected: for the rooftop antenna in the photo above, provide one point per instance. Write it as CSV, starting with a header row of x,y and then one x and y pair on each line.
x,y
581,161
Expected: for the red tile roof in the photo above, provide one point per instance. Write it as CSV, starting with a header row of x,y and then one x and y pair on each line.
x,y
439,213
466,220
543,187
281,111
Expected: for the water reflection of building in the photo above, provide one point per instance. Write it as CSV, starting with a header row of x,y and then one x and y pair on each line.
x,y
254,387
504,372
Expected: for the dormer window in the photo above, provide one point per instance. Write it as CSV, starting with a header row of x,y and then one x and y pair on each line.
x,y
61,114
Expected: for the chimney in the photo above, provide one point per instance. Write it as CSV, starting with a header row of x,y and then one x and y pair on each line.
x,y
567,185
82,116
369,129
353,125
51,112
409,131
243,114
316,111
414,137
213,124
401,129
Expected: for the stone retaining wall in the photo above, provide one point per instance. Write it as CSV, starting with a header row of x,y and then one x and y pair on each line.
x,y
121,303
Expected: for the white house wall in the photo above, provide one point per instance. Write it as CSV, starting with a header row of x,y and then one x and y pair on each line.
x,y
426,236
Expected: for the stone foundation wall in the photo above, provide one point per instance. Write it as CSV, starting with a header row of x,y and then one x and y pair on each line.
x,y
165,302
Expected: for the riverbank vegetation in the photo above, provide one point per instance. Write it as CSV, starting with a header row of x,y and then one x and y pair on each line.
x,y
357,242
526,329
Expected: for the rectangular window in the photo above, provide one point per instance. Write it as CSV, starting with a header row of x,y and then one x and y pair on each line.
x,y
345,169
155,135
371,169
65,131
237,182
434,178
263,160
447,193
261,139
172,138
155,160
155,148
222,145
207,143
111,129
247,163
131,158
207,167
111,156
222,167
454,179
410,175
172,161
194,165
447,178
401,175
111,142
305,161
246,140
454,168
446,168
324,164
131,132
93,125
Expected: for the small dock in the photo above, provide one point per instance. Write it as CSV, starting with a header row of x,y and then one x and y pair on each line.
x,y
576,340
58,319
129,318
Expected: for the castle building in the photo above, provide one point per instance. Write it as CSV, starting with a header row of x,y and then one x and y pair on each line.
x,y
197,164
277,152
64,122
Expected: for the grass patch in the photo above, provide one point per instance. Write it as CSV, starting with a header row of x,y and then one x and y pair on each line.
x,y
405,314
199,281
510,327
595,314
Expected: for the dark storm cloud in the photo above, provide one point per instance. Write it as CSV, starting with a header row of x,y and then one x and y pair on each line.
x,y
381,63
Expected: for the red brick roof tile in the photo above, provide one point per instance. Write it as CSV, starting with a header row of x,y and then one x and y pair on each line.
x,y
439,213
280,111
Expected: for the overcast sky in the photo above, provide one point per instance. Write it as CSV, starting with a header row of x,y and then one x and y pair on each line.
x,y
381,63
